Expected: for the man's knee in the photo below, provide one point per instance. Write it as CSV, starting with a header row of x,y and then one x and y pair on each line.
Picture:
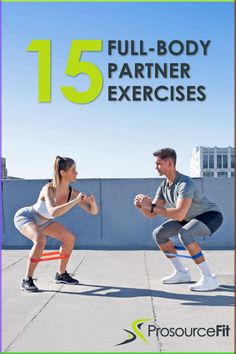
x,y
160,236
185,237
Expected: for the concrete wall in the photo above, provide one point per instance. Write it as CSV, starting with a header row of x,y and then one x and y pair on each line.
x,y
118,225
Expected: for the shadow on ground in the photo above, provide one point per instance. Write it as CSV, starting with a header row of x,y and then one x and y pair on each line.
x,y
191,299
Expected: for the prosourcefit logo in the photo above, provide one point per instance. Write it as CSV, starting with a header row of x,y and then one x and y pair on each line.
x,y
136,326
146,332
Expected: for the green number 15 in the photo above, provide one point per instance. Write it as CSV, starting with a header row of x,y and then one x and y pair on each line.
x,y
74,68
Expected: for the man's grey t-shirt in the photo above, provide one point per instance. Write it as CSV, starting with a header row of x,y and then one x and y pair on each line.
x,y
184,187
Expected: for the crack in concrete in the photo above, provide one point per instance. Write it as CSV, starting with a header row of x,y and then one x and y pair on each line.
x,y
32,319
40,310
207,256
85,256
11,265
159,343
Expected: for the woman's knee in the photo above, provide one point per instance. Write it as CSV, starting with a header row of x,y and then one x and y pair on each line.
x,y
69,239
40,240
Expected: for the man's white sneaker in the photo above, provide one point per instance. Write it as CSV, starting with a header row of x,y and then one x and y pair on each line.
x,y
205,284
177,277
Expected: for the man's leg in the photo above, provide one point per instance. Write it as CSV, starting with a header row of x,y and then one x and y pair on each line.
x,y
187,235
161,236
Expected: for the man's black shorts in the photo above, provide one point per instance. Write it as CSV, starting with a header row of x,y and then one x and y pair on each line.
x,y
212,219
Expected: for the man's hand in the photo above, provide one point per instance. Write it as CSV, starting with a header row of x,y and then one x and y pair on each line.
x,y
146,202
137,200
142,201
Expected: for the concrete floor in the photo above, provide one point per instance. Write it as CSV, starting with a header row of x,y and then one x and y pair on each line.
x,y
116,289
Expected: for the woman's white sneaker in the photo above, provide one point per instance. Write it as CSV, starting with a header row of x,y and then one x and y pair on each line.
x,y
177,277
206,283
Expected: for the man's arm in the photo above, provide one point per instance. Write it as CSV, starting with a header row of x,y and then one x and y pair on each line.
x,y
178,213
147,211
160,203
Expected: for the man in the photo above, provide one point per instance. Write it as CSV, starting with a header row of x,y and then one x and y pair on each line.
x,y
190,215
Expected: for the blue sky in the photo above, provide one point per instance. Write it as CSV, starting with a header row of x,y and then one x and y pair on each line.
x,y
112,139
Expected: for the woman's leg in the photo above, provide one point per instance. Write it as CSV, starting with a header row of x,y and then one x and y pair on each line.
x,y
36,235
67,238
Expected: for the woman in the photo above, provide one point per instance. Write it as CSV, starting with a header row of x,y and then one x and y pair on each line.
x,y
37,221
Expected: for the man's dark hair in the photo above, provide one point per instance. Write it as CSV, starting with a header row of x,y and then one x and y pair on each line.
x,y
165,154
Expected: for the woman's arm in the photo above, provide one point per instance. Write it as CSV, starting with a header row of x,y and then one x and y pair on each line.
x,y
60,209
88,203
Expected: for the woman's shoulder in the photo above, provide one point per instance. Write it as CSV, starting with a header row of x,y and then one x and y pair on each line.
x,y
48,187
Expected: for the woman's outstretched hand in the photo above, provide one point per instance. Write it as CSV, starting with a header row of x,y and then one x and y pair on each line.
x,y
89,199
81,198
